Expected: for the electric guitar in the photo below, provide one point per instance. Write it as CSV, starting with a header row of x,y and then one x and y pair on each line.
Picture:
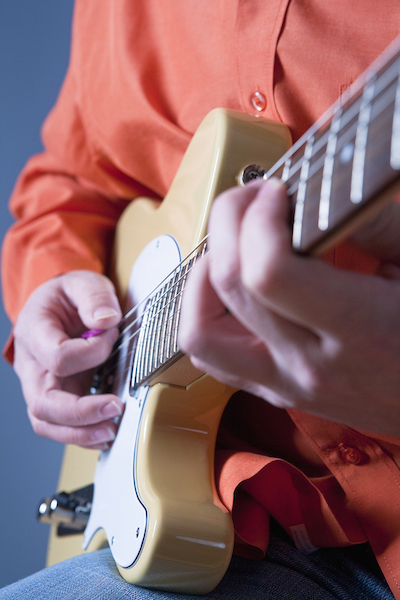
x,y
154,492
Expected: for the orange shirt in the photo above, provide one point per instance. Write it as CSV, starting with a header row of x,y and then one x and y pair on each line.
x,y
142,76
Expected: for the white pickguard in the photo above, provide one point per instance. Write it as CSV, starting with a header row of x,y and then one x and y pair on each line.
x,y
117,507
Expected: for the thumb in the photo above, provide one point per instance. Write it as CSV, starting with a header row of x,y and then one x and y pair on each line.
x,y
94,297
57,313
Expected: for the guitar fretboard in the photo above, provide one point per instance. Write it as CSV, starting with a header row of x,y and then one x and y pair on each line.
x,y
157,344
348,160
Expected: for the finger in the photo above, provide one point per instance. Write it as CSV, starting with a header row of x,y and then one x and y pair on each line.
x,y
213,336
96,437
306,291
389,271
228,251
50,319
224,228
255,351
64,356
94,297
56,401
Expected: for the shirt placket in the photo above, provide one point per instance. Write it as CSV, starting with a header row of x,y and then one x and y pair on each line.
x,y
258,27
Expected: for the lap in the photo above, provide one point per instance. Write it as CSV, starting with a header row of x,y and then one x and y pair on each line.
x,y
286,573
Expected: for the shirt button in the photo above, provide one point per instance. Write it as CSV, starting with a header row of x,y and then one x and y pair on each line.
x,y
259,101
350,455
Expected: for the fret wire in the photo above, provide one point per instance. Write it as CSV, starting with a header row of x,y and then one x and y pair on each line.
x,y
139,371
171,305
178,288
136,308
301,194
145,336
124,373
146,339
177,312
286,170
159,328
326,185
151,335
174,317
140,346
360,145
139,352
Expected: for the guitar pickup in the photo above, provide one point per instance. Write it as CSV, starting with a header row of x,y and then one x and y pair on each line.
x,y
69,512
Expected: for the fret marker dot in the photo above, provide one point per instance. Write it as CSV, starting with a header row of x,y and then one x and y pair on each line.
x,y
347,153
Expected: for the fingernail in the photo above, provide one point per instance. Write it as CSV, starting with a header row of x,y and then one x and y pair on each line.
x,y
275,183
105,312
105,434
111,410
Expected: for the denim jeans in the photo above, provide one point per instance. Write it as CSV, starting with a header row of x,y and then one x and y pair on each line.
x,y
327,574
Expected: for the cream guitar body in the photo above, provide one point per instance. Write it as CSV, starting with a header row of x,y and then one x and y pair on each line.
x,y
154,492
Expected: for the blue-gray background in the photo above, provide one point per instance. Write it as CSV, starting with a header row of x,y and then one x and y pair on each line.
x,y
34,49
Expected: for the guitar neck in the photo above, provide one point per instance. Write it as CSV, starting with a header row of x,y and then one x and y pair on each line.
x,y
157,345
348,163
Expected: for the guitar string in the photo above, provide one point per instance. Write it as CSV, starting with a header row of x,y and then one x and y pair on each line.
x,y
193,255
347,115
384,79
143,354
377,109
380,105
164,282
140,318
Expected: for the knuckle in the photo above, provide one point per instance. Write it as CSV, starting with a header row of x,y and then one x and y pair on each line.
x,y
58,363
224,275
189,342
263,277
80,413
36,411
101,296
38,425
313,380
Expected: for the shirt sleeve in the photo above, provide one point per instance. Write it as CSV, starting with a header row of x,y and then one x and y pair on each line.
x,y
63,221
66,203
